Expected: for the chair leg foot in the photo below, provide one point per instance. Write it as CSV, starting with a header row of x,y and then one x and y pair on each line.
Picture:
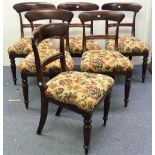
x,y
43,116
127,87
25,89
86,149
87,132
13,68
59,110
106,108
126,103
144,67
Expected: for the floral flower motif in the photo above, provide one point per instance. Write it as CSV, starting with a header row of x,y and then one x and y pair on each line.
x,y
84,93
101,61
27,65
24,46
128,44
75,45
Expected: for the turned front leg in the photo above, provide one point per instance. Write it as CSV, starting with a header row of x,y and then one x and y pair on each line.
x,y
25,89
13,68
87,132
106,108
144,67
127,87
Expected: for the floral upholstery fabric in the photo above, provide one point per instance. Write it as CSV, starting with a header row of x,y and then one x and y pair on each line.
x,y
27,65
24,46
101,61
46,44
127,44
75,45
81,89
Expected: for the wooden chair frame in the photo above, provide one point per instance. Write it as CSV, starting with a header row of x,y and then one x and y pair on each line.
x,y
60,30
43,14
79,6
20,9
129,7
106,16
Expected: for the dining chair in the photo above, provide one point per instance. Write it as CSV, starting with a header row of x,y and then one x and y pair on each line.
x,y
22,47
75,42
103,61
79,92
129,45
27,65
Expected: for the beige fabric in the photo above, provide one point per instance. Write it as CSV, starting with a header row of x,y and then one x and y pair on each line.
x,y
83,90
101,61
28,64
127,44
24,46
75,45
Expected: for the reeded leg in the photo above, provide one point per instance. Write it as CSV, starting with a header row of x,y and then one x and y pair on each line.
x,y
59,111
127,87
106,108
144,67
43,115
25,89
87,132
13,68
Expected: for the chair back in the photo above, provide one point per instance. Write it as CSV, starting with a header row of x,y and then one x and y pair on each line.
x,y
43,14
49,31
79,6
105,16
51,14
126,7
27,6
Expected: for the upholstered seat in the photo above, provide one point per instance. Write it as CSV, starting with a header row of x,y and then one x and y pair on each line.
x,y
75,45
28,65
128,44
101,61
24,46
84,90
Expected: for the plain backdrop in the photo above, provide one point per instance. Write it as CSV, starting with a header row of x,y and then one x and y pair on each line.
x,y
11,27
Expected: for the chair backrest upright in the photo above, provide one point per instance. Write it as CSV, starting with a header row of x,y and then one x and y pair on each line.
x,y
125,7
51,14
104,16
56,14
27,6
79,6
43,32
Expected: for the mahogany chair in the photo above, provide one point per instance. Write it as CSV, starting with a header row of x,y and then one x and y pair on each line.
x,y
129,45
22,47
75,42
27,66
103,61
76,91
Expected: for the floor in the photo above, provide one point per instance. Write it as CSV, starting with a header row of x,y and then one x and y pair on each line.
x,y
128,130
